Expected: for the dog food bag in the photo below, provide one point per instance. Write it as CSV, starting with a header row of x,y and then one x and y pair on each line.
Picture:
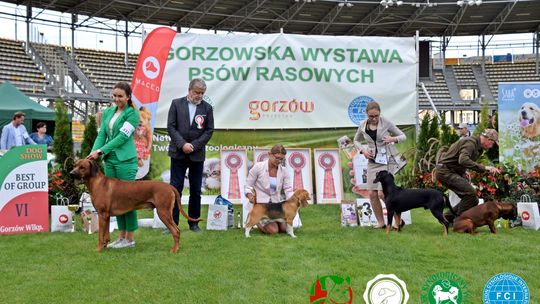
x,y
220,200
528,212
349,218
217,219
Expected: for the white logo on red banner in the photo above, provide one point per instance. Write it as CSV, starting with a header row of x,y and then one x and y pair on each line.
x,y
151,67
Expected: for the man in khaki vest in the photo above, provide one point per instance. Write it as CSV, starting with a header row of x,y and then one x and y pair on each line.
x,y
453,165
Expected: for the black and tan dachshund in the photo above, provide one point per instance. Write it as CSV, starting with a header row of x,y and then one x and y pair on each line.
x,y
398,200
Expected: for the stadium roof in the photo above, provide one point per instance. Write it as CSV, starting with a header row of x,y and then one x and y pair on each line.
x,y
318,17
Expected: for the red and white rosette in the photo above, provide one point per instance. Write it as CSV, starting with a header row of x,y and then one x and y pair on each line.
x,y
262,157
233,161
297,161
327,162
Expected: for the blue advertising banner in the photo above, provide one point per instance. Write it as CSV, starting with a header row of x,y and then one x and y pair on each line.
x,y
519,124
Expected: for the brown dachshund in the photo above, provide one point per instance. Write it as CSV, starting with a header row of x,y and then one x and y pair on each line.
x,y
285,210
112,196
484,214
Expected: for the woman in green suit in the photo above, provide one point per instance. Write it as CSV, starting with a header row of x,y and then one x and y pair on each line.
x,y
116,145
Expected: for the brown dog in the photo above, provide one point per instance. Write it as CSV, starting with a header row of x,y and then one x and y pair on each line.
x,y
112,196
285,210
484,214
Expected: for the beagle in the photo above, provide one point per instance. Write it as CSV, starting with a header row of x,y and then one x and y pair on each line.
x,y
285,211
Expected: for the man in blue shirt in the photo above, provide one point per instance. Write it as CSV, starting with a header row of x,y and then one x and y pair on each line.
x,y
14,134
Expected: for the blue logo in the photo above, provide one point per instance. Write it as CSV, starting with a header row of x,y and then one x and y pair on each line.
x,y
357,108
506,288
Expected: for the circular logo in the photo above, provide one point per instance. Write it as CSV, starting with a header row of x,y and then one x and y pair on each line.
x,y
531,93
444,287
331,289
262,157
217,214
357,108
506,288
151,67
525,215
63,218
386,288
327,161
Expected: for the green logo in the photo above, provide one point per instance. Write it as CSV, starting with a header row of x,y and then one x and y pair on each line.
x,y
444,288
331,289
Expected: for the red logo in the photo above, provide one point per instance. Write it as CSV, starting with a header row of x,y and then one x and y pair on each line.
x,y
63,219
151,67
331,289
217,214
281,108
525,215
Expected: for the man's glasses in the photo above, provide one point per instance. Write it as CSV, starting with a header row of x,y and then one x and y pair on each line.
x,y
279,158
374,116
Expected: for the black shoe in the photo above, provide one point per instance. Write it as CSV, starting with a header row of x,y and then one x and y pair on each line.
x,y
195,228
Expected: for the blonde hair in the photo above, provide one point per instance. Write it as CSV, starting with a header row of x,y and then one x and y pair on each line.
x,y
278,149
373,106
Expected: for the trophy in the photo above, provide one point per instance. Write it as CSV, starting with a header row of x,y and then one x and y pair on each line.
x,y
73,208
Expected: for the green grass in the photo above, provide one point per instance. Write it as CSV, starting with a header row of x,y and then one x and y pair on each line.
x,y
225,267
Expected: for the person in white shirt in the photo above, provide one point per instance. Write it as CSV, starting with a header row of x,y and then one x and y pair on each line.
x,y
14,134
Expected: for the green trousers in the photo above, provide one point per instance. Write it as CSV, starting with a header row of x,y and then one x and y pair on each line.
x,y
126,170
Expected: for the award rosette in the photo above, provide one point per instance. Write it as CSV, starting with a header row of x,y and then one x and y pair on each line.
x,y
297,161
234,162
327,162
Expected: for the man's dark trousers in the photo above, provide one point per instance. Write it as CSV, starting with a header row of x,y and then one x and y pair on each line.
x,y
461,186
195,174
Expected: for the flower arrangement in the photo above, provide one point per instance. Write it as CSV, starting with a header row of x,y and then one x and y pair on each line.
x,y
426,180
509,185
56,185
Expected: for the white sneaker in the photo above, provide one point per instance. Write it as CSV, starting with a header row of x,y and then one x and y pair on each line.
x,y
115,243
125,244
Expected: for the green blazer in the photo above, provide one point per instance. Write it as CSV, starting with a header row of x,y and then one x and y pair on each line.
x,y
121,140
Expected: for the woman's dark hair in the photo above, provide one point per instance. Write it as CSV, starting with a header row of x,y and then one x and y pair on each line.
x,y
126,88
40,125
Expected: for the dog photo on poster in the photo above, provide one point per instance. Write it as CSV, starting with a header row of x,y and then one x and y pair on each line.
x,y
519,124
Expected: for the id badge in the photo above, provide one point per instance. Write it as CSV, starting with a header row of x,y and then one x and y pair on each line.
x,y
381,158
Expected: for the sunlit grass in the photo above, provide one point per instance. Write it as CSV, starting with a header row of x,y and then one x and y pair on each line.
x,y
225,267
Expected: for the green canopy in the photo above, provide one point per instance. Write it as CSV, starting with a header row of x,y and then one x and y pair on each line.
x,y
13,100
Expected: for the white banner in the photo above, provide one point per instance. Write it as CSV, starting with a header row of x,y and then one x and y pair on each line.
x,y
293,81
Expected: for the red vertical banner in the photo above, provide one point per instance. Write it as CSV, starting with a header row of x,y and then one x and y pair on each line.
x,y
24,204
146,86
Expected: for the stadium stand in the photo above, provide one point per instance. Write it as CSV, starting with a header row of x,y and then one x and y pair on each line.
x,y
504,72
104,68
19,69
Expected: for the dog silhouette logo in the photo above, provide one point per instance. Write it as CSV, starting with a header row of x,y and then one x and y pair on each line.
x,y
331,289
386,289
444,288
